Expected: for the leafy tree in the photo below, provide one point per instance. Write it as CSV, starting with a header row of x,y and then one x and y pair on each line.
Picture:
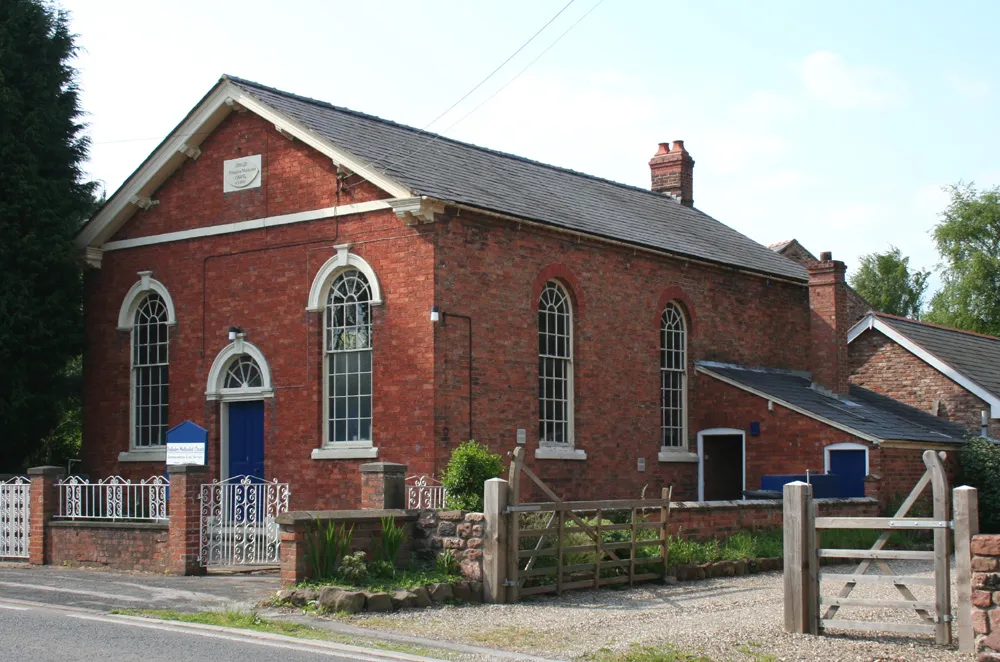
x,y
968,240
887,283
980,464
43,199
470,466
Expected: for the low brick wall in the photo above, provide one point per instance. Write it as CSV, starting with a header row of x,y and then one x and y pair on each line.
x,y
120,545
702,520
296,525
986,596
455,530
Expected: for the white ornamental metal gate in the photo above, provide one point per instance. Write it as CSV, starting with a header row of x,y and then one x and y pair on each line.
x,y
15,519
238,521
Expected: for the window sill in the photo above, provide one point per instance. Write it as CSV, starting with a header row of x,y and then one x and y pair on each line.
x,y
543,453
144,455
349,452
672,455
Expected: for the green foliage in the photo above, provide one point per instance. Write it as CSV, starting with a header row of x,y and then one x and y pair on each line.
x,y
980,461
326,546
968,241
353,568
43,200
887,283
471,465
387,550
446,563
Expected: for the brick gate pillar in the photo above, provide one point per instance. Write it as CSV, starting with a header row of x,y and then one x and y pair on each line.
x,y
184,507
44,505
383,486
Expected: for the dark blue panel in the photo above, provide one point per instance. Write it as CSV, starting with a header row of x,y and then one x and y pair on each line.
x,y
850,465
825,486
187,433
246,439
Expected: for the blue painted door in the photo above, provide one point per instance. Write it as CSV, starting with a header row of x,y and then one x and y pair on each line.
x,y
850,466
246,439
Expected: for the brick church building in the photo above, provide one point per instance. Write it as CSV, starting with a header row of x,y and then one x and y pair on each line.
x,y
320,288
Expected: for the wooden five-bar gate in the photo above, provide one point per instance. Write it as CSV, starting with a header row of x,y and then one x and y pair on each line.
x,y
804,602
557,545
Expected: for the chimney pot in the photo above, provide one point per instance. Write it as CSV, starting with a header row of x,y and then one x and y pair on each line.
x,y
672,171
825,256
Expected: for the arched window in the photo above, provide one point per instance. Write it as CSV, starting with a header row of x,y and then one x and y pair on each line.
x,y
150,372
673,378
243,373
348,366
555,367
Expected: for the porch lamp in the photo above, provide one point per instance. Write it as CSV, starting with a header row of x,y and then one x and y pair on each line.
x,y
435,314
234,332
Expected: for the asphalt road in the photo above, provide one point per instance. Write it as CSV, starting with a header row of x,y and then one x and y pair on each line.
x,y
39,633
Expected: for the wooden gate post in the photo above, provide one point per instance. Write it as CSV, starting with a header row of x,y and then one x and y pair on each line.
x,y
942,566
801,576
966,525
496,496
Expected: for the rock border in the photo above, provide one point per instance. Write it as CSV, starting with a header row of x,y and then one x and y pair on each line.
x,y
332,599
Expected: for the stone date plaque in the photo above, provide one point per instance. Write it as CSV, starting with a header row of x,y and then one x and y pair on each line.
x,y
241,174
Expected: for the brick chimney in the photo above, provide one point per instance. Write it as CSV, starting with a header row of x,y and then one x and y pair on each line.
x,y
828,323
672,171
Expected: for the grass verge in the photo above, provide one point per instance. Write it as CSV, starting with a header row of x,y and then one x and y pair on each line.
x,y
403,579
248,620
665,653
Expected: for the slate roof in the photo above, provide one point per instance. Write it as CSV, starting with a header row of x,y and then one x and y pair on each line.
x,y
453,171
975,355
862,410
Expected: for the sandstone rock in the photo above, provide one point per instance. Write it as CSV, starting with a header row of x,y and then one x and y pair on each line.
x,y
378,602
669,580
475,517
980,622
982,599
285,595
464,530
422,596
427,518
474,543
477,531
740,567
985,581
471,570
727,568
476,588
451,515
711,570
984,564
988,656
453,543
446,529
440,592
473,554
403,599
462,591
332,598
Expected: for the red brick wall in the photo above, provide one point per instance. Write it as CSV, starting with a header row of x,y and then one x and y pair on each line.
x,y
701,520
828,324
260,280
122,546
881,365
488,269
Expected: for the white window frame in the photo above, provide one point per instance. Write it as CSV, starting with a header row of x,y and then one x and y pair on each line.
x,y
215,387
548,450
719,432
343,262
126,320
845,446
676,453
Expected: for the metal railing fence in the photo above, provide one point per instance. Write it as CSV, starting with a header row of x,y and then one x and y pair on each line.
x,y
113,498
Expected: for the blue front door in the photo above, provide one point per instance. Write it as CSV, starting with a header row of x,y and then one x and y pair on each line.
x,y
246,439
850,466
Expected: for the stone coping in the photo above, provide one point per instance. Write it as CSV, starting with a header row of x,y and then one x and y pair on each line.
x,y
766,503
303,516
106,524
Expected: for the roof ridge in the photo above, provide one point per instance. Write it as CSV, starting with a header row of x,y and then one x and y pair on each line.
x,y
439,136
934,326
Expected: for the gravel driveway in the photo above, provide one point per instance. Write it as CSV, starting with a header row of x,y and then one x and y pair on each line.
x,y
737,618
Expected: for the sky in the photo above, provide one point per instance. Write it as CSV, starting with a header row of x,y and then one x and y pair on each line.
x,y
836,124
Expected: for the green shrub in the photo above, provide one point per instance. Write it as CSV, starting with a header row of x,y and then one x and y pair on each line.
x,y
353,568
446,563
471,465
326,546
980,461
387,551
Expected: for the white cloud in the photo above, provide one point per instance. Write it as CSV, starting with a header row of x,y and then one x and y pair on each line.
x,y
830,80
973,89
